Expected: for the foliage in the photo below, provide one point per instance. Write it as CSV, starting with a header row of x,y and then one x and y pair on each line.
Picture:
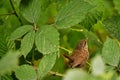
x,y
29,73
35,34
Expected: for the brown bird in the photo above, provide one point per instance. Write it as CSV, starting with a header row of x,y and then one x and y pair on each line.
x,y
79,55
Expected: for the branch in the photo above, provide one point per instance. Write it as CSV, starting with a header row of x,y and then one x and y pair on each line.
x,y
56,73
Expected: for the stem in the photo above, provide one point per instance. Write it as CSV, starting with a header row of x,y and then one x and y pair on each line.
x,y
15,11
88,63
78,30
28,62
65,49
6,14
89,67
35,27
56,73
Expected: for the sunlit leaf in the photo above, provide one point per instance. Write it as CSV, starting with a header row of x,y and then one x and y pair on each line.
x,y
26,72
111,52
46,64
27,43
98,66
72,14
47,39
30,9
19,32
118,78
76,74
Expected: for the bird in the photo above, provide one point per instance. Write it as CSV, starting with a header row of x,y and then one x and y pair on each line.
x,y
79,55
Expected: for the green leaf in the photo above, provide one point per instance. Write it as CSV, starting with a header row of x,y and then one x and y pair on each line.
x,y
30,9
46,64
48,12
10,24
91,19
9,62
76,37
72,14
118,78
98,66
79,74
26,72
94,14
47,39
27,43
93,38
112,26
19,32
117,5
76,74
5,77
62,3
111,52
5,44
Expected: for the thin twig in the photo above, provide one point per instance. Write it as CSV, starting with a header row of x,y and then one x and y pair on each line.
x,y
65,49
28,62
78,30
56,73
88,63
11,2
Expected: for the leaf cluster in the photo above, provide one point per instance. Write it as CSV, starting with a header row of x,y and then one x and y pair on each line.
x,y
34,35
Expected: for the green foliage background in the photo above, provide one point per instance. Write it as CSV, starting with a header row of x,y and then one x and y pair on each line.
x,y
34,35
